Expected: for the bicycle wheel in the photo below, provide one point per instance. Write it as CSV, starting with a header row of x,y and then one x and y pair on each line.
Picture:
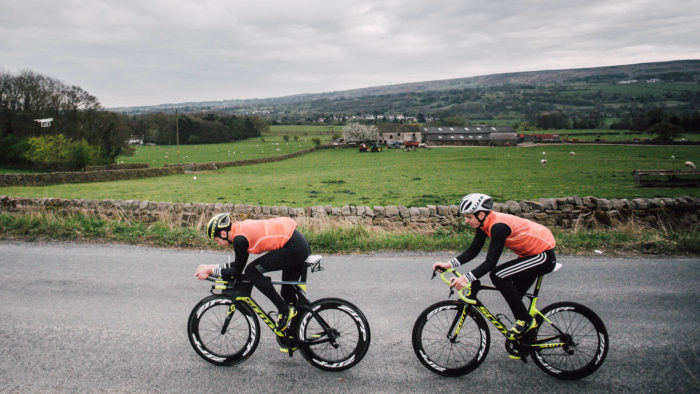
x,y
218,344
439,349
573,345
335,336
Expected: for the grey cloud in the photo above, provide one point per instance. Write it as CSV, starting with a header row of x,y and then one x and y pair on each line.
x,y
151,52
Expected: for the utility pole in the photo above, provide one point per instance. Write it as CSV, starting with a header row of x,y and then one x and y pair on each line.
x,y
177,136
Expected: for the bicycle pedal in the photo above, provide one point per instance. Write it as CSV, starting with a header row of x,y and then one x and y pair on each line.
x,y
513,357
288,351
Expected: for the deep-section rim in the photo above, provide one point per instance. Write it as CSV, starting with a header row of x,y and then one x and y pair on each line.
x,y
354,326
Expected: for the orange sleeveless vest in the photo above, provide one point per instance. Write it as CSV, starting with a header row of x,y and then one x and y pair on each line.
x,y
527,238
264,235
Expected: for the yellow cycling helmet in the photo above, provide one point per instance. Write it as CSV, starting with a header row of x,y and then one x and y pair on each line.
x,y
218,223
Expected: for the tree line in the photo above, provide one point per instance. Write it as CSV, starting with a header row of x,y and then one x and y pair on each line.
x,y
665,125
82,133
169,129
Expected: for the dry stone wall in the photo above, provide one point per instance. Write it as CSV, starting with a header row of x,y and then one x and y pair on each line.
x,y
53,178
123,166
568,212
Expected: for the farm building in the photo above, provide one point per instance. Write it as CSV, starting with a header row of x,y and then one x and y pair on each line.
x,y
405,136
470,135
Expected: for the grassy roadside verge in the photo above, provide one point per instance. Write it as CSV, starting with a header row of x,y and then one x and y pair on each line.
x,y
628,240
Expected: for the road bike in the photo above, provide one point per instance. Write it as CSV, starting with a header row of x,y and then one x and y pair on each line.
x,y
331,334
452,338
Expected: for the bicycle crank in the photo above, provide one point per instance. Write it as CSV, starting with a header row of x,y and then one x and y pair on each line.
x,y
516,351
287,345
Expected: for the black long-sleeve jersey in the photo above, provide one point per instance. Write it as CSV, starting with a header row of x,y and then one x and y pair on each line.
x,y
499,233
240,250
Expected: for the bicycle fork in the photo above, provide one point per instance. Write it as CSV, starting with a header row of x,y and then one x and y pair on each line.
x,y
457,324
227,320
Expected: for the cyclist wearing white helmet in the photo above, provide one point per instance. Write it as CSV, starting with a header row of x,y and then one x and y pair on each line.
x,y
532,242
286,248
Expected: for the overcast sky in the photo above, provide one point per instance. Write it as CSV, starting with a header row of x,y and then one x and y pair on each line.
x,y
147,52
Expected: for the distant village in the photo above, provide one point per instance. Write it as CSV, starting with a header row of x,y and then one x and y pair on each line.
x,y
630,81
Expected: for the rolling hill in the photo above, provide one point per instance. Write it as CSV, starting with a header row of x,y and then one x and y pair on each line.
x,y
672,85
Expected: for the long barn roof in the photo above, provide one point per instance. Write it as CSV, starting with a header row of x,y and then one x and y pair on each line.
x,y
467,129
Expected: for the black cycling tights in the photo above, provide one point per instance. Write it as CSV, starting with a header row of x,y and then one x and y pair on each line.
x,y
514,277
290,259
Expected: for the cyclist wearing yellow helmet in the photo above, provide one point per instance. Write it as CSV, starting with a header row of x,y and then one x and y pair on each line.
x,y
286,248
532,242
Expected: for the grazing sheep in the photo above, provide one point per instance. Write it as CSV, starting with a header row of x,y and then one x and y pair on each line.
x,y
673,157
572,153
690,164
544,153
543,161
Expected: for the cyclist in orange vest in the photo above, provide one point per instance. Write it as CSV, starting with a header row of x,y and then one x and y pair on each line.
x,y
532,242
286,248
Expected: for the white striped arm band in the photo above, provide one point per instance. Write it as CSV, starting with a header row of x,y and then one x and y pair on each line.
x,y
217,270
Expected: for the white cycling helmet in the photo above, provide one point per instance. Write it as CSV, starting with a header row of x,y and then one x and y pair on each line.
x,y
475,202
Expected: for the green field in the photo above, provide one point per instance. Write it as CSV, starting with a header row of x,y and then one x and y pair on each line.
x,y
612,137
16,171
591,135
308,130
497,122
254,148
433,176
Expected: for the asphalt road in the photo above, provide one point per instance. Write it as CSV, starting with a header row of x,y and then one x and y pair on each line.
x,y
86,318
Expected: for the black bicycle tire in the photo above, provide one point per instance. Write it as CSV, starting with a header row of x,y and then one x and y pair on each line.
x,y
542,358
252,337
363,333
433,364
